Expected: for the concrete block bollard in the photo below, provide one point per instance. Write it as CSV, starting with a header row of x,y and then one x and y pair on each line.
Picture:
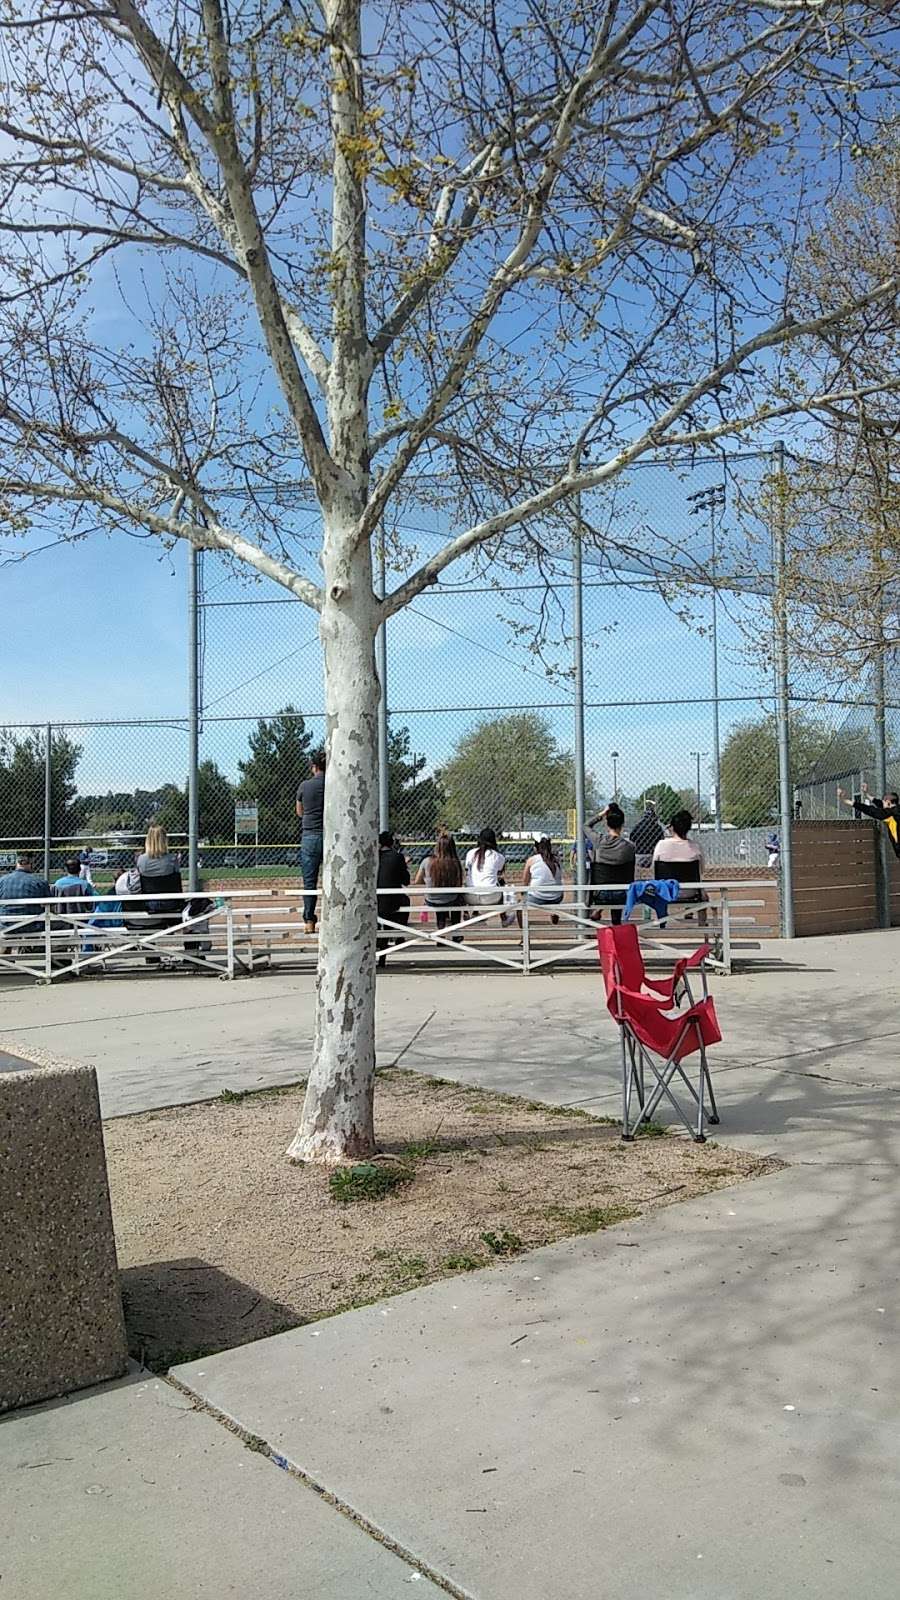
x,y
61,1323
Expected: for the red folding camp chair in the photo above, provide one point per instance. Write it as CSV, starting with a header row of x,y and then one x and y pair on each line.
x,y
647,1032
620,949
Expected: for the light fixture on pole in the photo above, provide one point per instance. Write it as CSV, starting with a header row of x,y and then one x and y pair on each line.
x,y
615,760
713,500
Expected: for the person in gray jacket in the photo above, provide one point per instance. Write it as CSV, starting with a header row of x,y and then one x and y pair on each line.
x,y
160,874
613,861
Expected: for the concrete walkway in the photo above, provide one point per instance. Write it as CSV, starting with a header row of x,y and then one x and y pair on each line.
x,y
160,1041
131,1493
702,1405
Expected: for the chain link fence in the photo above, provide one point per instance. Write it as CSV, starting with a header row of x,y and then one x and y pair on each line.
x,y
679,695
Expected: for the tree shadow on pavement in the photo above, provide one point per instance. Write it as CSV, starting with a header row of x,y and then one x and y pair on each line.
x,y
179,1310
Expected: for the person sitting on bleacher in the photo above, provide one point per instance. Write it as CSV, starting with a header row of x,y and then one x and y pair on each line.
x,y
680,858
159,875
22,883
74,893
614,862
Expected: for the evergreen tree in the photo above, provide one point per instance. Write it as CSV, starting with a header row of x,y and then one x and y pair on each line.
x,y
416,803
280,748
22,774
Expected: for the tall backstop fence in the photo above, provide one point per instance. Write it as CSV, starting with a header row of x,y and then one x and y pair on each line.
x,y
646,652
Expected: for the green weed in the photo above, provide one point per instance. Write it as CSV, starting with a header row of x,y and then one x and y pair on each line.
x,y
368,1180
587,1219
502,1244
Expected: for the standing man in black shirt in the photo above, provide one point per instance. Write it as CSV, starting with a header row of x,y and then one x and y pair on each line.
x,y
311,811
646,835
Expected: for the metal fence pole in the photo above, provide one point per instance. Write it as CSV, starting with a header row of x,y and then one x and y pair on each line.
x,y
782,692
48,797
717,751
578,677
384,775
193,785
883,854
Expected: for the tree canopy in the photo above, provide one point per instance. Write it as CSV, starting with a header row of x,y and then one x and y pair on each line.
x,y
750,763
666,800
22,777
507,773
478,254
416,802
215,806
278,760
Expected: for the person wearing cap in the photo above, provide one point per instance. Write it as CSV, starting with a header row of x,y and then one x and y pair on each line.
x,y
646,834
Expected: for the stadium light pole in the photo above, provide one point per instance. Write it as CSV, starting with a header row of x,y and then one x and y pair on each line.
x,y
614,756
713,500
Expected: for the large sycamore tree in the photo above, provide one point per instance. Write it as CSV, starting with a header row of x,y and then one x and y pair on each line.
x,y
505,246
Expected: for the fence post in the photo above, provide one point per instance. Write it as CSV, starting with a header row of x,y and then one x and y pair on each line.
x,y
384,788
48,797
193,784
578,677
882,851
782,692
717,747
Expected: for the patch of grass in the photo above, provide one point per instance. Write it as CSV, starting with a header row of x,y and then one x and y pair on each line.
x,y
421,1149
588,1219
236,1097
651,1130
461,1263
502,1244
567,1111
368,1180
410,1267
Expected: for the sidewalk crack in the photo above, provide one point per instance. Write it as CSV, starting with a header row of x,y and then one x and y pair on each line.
x,y
261,1446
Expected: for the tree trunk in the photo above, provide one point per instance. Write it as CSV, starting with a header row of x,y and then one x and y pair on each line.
x,y
337,1122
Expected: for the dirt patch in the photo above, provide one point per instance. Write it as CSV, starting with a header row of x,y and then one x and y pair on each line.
x,y
221,1240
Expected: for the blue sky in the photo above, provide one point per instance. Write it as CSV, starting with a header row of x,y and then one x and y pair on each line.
x,y
126,657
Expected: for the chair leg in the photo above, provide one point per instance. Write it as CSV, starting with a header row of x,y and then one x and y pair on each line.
x,y
627,1134
713,1117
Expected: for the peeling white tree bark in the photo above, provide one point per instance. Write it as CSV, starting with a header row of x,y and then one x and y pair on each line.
x,y
337,1122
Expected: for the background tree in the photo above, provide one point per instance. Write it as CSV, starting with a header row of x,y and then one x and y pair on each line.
x,y
280,748
113,812
215,804
688,800
506,772
22,770
840,501
666,799
416,803
519,250
750,763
